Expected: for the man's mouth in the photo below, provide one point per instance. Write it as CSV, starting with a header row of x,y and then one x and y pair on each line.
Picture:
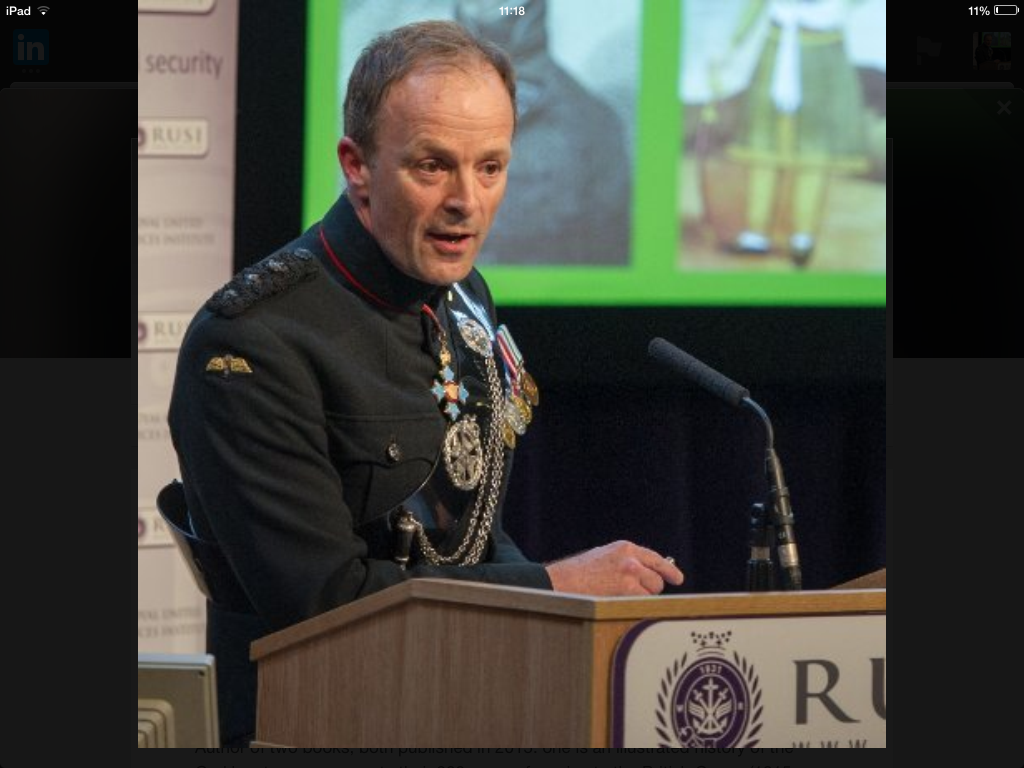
x,y
451,242
450,237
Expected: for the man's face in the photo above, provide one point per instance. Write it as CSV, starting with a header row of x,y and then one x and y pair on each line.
x,y
988,40
430,192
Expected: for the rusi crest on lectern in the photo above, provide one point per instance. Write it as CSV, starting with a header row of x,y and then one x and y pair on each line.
x,y
713,700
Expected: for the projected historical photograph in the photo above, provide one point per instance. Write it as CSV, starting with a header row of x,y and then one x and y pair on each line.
x,y
783,161
569,194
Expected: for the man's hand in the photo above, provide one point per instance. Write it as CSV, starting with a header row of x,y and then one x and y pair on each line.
x,y
619,568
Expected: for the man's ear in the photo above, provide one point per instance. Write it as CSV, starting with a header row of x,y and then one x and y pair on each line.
x,y
356,169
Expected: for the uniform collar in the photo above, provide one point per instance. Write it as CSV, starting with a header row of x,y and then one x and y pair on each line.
x,y
360,265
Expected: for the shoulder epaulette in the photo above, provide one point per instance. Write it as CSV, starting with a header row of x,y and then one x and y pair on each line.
x,y
265,278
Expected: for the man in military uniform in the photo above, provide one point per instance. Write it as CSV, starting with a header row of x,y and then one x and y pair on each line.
x,y
345,411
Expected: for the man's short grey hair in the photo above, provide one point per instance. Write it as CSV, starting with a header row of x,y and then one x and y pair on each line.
x,y
393,55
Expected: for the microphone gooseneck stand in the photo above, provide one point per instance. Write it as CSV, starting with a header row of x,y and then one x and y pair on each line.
x,y
773,520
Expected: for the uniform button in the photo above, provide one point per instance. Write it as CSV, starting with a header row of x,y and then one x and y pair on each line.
x,y
394,453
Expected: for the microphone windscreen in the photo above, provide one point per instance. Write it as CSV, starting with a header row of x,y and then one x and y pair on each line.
x,y
694,370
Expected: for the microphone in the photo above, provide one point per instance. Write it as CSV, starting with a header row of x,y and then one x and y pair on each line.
x,y
781,512
692,369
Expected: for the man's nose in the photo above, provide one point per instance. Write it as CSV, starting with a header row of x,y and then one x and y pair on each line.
x,y
460,196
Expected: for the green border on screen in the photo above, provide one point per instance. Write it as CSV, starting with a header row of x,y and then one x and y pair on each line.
x,y
652,278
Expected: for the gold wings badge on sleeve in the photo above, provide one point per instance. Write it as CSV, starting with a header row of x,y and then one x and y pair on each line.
x,y
227,365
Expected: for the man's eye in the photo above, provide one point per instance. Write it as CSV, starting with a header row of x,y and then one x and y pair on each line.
x,y
492,168
430,166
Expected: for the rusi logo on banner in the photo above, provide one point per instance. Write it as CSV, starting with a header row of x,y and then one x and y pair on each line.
x,y
162,331
153,530
173,138
745,683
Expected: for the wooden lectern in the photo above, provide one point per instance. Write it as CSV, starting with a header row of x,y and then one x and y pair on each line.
x,y
433,663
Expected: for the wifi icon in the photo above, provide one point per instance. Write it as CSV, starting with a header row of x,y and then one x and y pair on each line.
x,y
43,9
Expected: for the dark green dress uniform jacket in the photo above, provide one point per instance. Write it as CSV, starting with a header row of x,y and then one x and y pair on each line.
x,y
301,410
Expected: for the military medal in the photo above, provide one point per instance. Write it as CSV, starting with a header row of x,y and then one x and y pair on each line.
x,y
447,390
513,362
523,407
529,387
464,453
520,379
524,389
476,337
508,435
514,417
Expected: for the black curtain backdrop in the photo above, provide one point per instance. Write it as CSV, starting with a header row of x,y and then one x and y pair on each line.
x,y
618,448
679,474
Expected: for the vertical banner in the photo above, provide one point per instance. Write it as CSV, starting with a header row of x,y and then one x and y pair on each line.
x,y
186,167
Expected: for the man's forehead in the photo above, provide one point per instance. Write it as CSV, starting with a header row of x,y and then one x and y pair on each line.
x,y
477,96
440,76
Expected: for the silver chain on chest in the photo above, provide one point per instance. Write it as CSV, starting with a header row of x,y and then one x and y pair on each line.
x,y
481,518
